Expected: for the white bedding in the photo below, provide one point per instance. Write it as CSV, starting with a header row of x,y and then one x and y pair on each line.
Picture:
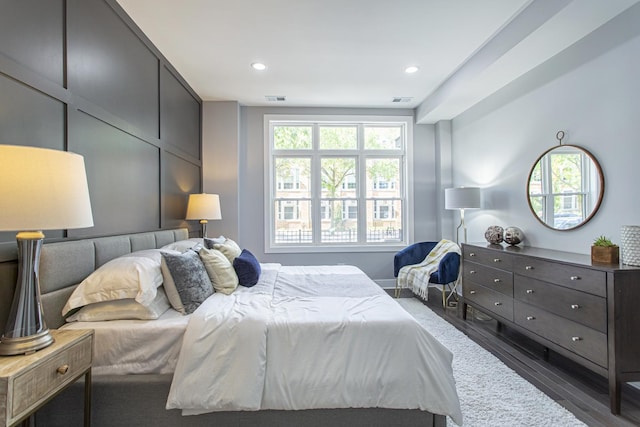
x,y
310,337
123,347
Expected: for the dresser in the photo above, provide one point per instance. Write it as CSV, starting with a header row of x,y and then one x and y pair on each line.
x,y
587,312
29,381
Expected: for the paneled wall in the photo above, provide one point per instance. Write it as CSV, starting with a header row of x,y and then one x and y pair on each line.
x,y
79,75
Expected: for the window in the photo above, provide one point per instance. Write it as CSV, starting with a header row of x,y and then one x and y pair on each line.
x,y
336,181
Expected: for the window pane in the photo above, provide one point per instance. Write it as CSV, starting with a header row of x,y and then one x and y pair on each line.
x,y
338,177
339,221
383,138
338,137
566,176
292,137
383,177
384,220
293,221
292,177
535,183
537,204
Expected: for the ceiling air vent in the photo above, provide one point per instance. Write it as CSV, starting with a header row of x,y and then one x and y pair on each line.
x,y
273,98
402,99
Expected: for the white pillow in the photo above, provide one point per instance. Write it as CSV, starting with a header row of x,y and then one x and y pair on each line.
x,y
122,309
220,270
229,248
130,276
183,245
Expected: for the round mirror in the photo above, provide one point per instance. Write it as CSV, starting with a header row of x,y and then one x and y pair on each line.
x,y
565,187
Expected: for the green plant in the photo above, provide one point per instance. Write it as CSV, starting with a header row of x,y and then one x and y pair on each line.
x,y
603,241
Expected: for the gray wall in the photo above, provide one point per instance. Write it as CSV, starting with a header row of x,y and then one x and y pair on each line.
x,y
592,92
249,181
78,75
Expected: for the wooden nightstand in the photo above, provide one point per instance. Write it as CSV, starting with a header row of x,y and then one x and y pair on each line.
x,y
28,382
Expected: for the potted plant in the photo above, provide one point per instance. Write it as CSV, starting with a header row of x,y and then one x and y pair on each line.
x,y
605,251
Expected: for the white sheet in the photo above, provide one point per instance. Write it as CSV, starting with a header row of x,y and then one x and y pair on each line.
x,y
294,343
124,347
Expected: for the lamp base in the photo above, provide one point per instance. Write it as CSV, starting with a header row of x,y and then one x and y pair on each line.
x,y
24,345
26,330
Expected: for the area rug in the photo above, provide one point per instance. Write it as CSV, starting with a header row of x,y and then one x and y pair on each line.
x,y
491,394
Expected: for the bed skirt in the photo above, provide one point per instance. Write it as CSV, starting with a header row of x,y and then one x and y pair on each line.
x,y
139,400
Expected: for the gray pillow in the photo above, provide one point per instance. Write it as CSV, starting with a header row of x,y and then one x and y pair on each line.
x,y
190,277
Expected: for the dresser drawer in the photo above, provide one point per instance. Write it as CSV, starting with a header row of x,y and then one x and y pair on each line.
x,y
492,278
581,340
582,279
493,258
581,307
489,300
52,374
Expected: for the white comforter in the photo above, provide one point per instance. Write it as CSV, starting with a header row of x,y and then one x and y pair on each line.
x,y
306,338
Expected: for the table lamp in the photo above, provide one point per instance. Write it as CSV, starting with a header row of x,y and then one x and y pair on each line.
x,y
203,207
40,189
462,198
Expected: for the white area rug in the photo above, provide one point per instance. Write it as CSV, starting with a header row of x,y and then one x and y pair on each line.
x,y
491,394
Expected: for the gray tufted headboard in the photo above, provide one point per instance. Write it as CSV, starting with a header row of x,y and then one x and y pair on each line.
x,y
65,264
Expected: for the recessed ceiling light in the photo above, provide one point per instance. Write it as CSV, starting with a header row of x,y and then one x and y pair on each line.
x,y
258,66
412,69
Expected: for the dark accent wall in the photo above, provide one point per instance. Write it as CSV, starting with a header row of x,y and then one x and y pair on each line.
x,y
79,75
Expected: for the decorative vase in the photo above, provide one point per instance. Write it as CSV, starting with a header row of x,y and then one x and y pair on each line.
x,y
513,235
605,254
630,244
494,234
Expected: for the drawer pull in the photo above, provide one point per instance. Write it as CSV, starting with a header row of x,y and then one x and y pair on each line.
x,y
497,303
576,339
575,277
496,280
528,267
472,292
575,306
529,291
472,272
63,369
472,254
496,260
531,318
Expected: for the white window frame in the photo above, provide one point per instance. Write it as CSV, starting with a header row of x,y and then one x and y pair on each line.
x,y
405,190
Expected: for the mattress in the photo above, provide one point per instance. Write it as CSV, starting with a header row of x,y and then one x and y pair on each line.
x,y
123,347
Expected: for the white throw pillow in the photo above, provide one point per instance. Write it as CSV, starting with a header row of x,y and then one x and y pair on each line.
x,y
183,245
229,248
134,277
122,309
220,270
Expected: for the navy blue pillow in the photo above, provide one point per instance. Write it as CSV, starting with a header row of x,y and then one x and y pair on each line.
x,y
247,268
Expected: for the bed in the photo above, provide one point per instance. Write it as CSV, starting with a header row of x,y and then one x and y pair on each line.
x,y
359,360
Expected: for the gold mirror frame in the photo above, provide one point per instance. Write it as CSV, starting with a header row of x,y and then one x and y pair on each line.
x,y
570,222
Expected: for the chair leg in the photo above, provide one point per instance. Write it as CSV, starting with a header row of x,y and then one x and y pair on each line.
x,y
397,292
444,297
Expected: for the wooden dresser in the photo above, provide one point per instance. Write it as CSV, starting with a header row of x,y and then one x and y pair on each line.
x,y
587,312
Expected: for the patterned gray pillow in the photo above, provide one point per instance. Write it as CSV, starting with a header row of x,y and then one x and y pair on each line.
x,y
190,277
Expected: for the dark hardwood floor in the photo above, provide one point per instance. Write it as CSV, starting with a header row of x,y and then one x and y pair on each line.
x,y
581,391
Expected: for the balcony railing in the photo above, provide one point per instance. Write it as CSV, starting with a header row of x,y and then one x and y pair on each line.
x,y
343,236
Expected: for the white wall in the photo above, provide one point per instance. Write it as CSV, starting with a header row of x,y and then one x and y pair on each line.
x,y
592,92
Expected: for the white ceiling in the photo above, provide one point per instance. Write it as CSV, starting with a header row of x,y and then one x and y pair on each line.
x,y
352,53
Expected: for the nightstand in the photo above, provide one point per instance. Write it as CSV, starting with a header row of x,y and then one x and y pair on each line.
x,y
27,382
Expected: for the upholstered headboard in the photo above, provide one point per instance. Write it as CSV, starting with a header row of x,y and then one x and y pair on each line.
x,y
64,265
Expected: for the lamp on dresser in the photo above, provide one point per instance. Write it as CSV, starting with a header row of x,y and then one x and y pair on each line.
x,y
462,198
40,189
203,207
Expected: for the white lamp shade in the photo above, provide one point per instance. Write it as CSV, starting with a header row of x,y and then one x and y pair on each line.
x,y
462,198
204,206
42,189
